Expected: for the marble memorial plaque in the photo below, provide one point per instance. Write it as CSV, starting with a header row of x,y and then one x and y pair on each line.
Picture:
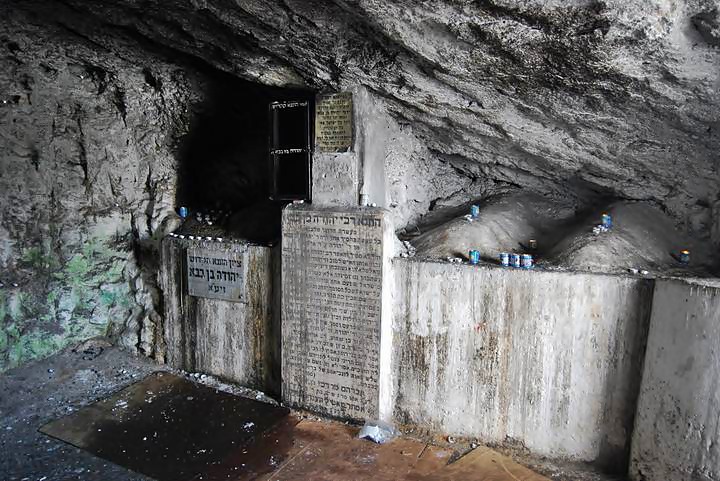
x,y
334,122
215,274
332,269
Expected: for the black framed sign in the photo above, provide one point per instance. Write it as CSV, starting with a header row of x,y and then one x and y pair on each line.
x,y
290,152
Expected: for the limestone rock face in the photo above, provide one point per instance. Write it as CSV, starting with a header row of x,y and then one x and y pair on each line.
x,y
87,186
575,98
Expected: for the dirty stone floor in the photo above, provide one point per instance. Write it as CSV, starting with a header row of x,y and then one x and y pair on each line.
x,y
35,394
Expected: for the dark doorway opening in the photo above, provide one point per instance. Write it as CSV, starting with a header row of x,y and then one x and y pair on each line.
x,y
225,168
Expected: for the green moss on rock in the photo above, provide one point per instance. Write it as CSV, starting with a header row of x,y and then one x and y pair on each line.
x,y
59,305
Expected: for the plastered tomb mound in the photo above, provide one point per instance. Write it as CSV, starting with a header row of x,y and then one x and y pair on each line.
x,y
505,224
642,237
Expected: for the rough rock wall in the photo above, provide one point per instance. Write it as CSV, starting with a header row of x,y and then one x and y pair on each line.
x,y
576,98
97,143
399,172
87,181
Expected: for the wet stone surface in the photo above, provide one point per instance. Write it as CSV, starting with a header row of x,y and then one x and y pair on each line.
x,y
172,429
37,393
65,384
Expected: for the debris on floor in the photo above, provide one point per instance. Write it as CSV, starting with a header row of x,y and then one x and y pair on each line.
x,y
169,428
296,447
377,431
172,429
484,463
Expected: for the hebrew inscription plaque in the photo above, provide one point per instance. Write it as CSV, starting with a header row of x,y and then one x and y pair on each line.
x,y
332,287
334,122
215,274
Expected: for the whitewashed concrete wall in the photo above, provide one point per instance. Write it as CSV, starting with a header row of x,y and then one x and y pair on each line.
x,y
550,360
677,431
335,179
339,178
236,341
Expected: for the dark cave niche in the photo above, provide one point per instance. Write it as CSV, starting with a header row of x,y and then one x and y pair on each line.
x,y
224,161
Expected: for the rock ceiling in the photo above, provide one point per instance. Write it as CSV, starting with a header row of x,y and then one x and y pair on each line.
x,y
613,98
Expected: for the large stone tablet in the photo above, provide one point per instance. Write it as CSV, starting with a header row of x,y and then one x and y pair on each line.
x,y
332,285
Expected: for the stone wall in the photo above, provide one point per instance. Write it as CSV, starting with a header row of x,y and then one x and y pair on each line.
x,y
677,425
237,341
389,164
547,359
399,172
98,145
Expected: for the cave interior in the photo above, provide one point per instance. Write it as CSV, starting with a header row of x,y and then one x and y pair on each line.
x,y
244,239
244,157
